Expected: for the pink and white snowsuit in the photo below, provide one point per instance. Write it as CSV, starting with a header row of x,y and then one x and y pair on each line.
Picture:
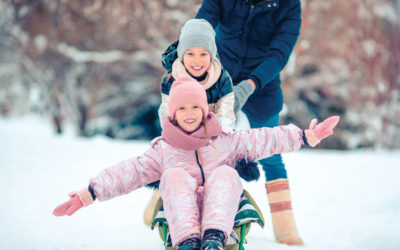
x,y
191,205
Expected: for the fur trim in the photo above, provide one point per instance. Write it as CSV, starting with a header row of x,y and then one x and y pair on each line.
x,y
312,140
84,195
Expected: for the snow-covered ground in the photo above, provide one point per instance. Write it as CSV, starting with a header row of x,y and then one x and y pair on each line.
x,y
342,200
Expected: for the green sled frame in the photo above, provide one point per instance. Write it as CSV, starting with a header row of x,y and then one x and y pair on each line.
x,y
247,213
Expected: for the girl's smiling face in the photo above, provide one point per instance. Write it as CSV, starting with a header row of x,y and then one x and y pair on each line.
x,y
196,61
189,117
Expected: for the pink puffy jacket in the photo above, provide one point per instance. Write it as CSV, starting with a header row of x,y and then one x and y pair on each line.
x,y
226,149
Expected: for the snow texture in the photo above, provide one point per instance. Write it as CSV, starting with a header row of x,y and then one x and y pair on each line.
x,y
341,199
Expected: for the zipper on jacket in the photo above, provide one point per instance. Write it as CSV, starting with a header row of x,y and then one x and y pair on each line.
x,y
201,167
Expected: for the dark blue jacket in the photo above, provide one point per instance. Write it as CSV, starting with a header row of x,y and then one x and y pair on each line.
x,y
255,41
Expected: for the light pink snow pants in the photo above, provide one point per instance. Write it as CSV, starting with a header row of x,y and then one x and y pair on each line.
x,y
192,209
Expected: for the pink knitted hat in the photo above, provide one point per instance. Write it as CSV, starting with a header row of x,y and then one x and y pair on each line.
x,y
186,90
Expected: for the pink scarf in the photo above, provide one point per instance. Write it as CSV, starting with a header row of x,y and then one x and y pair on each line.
x,y
179,138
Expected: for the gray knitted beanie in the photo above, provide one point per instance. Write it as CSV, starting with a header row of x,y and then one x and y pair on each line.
x,y
197,33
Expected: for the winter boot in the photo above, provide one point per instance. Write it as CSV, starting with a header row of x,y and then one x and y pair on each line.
x,y
192,243
213,240
285,230
149,210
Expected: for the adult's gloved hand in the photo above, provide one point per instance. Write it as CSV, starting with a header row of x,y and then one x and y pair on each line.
x,y
77,201
317,132
242,91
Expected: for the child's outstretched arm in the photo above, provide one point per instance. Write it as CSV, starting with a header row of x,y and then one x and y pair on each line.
x,y
116,180
259,143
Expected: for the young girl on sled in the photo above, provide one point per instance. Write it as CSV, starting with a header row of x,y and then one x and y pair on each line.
x,y
193,160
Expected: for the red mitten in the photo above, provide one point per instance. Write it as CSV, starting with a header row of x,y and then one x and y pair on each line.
x,y
77,201
317,132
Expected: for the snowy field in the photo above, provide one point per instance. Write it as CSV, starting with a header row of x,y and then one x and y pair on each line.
x,y
342,200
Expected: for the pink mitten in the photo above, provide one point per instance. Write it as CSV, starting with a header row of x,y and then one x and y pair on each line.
x,y
77,201
317,132
69,207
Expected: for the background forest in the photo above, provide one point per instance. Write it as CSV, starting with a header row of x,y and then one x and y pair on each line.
x,y
96,64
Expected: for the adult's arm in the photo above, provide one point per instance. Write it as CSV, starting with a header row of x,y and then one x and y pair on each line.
x,y
210,10
281,47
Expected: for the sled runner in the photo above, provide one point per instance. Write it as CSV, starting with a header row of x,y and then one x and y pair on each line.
x,y
247,213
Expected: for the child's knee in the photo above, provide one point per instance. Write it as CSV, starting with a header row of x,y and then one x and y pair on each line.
x,y
225,169
226,173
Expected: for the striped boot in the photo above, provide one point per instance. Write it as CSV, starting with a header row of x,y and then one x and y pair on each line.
x,y
285,230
